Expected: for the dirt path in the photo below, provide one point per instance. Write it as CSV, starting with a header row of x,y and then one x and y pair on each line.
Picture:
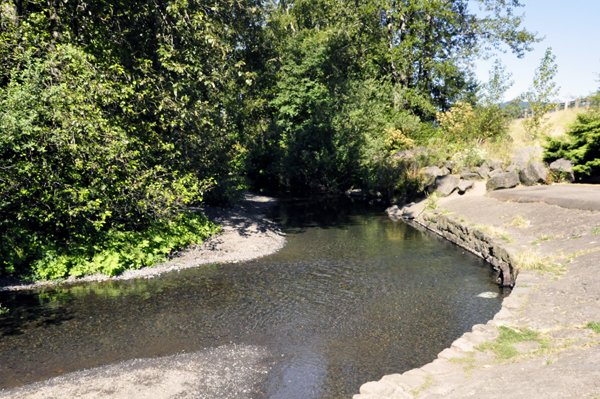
x,y
560,357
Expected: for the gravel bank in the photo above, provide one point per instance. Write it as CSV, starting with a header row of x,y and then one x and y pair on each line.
x,y
232,371
246,234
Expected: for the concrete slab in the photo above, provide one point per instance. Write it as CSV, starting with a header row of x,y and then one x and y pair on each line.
x,y
573,196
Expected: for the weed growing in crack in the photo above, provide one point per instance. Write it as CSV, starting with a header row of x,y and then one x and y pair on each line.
x,y
432,202
502,346
427,384
593,326
495,231
519,221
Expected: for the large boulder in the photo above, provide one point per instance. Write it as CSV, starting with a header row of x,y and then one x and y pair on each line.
x,y
464,186
431,172
533,173
470,176
515,166
483,170
563,168
446,184
394,212
494,165
452,166
503,180
495,172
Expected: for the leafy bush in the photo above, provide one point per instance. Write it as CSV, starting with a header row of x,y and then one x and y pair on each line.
x,y
468,125
582,146
114,251
395,179
68,168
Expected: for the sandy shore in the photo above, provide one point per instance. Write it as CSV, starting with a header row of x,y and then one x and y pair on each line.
x,y
246,234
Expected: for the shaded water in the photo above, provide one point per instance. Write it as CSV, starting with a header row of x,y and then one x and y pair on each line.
x,y
353,296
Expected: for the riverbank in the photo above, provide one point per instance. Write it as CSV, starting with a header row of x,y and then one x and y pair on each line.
x,y
545,341
231,371
245,234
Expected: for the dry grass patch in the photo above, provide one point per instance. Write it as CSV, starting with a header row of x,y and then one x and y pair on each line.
x,y
495,231
557,125
519,221
532,261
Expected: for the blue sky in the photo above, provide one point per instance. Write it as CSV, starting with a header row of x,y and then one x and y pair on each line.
x,y
572,29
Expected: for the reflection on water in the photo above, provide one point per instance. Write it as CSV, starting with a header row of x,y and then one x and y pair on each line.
x,y
353,296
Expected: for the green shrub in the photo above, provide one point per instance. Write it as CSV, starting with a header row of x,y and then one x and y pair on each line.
x,y
582,146
114,251
69,169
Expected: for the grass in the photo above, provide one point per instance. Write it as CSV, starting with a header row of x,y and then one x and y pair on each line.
x,y
502,346
432,202
519,221
596,231
531,261
495,231
571,257
3,310
557,125
427,384
593,326
467,363
544,238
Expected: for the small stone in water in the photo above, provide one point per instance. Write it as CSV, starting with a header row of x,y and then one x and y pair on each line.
x,y
488,294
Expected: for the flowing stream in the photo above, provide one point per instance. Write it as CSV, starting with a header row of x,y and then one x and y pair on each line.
x,y
351,297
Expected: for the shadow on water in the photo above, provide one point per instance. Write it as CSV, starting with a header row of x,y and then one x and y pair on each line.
x,y
352,296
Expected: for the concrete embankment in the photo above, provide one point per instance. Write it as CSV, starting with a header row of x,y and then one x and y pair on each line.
x,y
545,341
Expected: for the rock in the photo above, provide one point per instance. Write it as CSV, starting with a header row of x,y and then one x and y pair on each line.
x,y
502,180
431,172
494,165
394,213
483,170
429,188
526,347
410,154
564,168
413,210
495,172
533,173
515,166
465,185
470,176
355,193
451,166
377,388
445,171
446,184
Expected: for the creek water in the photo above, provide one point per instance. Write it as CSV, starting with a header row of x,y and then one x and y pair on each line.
x,y
351,297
